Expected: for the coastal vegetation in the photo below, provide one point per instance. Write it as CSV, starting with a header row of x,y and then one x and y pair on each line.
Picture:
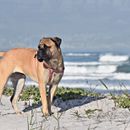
x,y
32,92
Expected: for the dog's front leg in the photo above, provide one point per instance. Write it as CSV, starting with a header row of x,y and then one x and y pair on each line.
x,y
42,88
52,91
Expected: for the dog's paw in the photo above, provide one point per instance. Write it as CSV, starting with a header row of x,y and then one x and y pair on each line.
x,y
51,113
19,113
47,114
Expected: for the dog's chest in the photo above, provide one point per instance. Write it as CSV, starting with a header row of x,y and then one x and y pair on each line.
x,y
54,78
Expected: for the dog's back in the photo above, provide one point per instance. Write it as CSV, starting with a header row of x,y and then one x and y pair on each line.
x,y
18,53
20,60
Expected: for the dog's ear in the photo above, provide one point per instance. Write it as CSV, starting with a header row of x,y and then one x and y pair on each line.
x,y
57,41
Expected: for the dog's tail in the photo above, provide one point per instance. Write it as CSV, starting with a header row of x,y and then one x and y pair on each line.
x,y
2,54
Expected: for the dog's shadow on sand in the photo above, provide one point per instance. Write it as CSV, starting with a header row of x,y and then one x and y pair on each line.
x,y
68,104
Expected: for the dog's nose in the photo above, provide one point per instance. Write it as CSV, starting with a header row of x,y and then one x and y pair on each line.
x,y
39,47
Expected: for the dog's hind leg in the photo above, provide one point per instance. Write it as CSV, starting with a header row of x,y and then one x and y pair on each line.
x,y
18,80
3,81
4,75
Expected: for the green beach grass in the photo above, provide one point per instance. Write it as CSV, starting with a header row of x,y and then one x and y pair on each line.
x,y
32,92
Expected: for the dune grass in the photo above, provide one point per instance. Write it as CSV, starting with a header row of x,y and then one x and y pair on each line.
x,y
121,100
32,92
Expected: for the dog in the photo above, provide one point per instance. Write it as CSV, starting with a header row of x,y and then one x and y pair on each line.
x,y
44,65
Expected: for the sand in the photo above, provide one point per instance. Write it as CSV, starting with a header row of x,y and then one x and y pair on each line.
x,y
69,115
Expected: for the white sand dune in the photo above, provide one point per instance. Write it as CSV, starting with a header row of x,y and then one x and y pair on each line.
x,y
73,117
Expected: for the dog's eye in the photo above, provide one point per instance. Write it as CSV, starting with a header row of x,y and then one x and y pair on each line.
x,y
45,46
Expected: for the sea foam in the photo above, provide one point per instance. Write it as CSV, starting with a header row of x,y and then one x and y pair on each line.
x,y
78,54
113,58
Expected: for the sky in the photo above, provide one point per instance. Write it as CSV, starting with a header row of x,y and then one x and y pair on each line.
x,y
83,25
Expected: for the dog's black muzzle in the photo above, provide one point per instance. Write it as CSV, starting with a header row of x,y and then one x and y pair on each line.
x,y
43,54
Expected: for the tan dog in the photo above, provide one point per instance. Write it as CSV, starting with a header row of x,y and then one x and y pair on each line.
x,y
44,66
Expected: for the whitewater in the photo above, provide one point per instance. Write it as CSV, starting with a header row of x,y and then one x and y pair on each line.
x,y
87,69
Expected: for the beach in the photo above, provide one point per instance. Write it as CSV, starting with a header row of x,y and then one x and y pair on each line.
x,y
88,113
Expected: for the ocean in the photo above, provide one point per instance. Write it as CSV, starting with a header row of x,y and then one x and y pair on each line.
x,y
87,70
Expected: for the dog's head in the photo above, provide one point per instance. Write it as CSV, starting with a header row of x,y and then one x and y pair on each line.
x,y
48,48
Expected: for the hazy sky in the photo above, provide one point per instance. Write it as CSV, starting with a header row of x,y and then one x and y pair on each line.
x,y
84,25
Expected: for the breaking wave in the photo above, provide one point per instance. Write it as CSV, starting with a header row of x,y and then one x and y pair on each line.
x,y
78,54
85,70
113,58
